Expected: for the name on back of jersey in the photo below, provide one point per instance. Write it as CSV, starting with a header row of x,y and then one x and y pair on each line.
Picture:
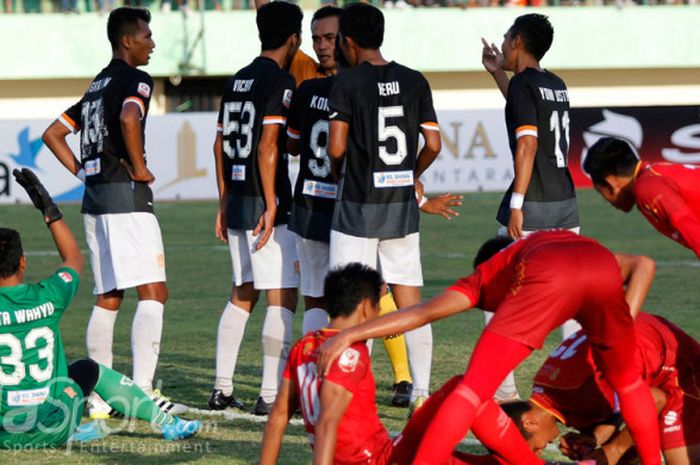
x,y
324,190
554,95
387,89
96,86
385,179
242,85
319,103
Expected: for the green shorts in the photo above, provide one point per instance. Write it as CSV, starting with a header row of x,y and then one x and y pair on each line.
x,y
46,426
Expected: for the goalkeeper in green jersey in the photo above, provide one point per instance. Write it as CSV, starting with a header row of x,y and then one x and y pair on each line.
x,y
41,398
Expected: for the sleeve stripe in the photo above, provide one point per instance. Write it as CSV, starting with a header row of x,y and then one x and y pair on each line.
x,y
274,120
68,123
138,102
525,132
219,127
293,134
430,126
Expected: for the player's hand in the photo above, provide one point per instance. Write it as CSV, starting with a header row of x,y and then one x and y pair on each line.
x,y
38,194
577,445
491,57
329,351
220,226
515,223
143,175
440,205
266,224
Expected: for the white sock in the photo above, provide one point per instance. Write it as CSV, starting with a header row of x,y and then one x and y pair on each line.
x,y
507,389
568,328
99,335
228,342
146,330
419,343
314,319
276,339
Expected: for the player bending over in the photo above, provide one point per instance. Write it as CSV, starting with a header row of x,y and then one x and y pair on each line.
x,y
533,286
340,412
569,388
667,194
42,398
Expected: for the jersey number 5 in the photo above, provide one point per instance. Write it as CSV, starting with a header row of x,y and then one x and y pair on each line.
x,y
387,132
239,129
14,358
558,126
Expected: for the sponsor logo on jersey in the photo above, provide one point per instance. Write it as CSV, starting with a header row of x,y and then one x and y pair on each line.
x,y
385,179
333,115
287,98
671,418
27,397
348,360
92,167
323,190
66,277
70,392
238,173
144,89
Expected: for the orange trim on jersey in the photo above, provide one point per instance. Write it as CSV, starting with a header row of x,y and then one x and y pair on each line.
x,y
526,127
138,102
69,120
293,131
430,125
267,118
556,414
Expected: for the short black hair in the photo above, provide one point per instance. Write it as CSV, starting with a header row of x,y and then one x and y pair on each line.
x,y
345,287
326,12
10,252
276,22
364,23
515,411
536,32
340,61
610,156
490,248
123,21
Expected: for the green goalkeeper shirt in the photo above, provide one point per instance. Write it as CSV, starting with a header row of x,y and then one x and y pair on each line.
x,y
32,362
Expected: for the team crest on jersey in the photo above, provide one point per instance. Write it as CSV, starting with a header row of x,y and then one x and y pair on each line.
x,y
66,277
287,98
348,360
670,418
70,392
144,89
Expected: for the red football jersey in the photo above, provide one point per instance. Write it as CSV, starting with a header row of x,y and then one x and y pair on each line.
x,y
361,435
668,195
570,387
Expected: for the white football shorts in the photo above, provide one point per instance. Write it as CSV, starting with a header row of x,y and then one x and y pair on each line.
x,y
397,259
126,250
313,265
272,267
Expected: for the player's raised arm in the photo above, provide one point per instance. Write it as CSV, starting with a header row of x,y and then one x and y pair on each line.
x,y
335,400
637,274
492,59
285,405
439,307
63,238
268,158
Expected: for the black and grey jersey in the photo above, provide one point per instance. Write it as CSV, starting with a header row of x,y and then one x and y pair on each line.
x,y
538,105
315,189
108,187
258,95
385,107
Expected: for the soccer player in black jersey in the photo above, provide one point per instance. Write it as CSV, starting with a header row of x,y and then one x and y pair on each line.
x,y
378,109
255,200
542,195
126,248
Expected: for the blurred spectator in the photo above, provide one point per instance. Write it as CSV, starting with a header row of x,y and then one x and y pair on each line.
x,y
105,6
69,6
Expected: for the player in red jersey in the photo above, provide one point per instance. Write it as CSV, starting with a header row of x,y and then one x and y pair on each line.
x,y
340,412
533,286
570,389
667,194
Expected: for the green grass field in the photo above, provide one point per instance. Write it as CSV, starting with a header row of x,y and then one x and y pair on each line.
x,y
199,281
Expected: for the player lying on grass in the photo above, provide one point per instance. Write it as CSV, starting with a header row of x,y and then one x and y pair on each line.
x,y
42,399
533,286
570,389
340,412
667,194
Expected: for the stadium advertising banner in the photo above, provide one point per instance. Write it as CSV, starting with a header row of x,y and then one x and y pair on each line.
x,y
475,154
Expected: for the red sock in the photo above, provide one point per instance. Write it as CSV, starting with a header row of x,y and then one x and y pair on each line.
x,y
636,402
497,432
493,358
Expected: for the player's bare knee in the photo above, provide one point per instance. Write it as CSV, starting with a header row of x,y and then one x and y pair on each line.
x,y
110,300
245,296
153,291
314,302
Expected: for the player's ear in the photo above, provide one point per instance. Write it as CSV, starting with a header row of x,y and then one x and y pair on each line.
x,y
529,422
22,265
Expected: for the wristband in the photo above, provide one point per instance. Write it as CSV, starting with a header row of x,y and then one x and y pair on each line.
x,y
516,200
81,175
422,201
